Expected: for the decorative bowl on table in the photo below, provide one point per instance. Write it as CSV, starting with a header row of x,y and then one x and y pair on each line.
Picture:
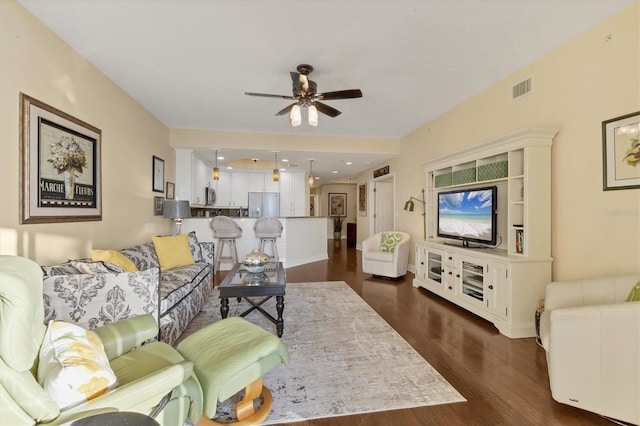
x,y
255,261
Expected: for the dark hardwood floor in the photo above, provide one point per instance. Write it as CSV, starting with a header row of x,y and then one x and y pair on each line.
x,y
504,380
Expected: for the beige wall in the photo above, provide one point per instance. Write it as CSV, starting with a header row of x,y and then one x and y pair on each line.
x,y
36,62
575,88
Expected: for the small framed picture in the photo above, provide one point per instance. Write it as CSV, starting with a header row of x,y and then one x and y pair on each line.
x,y
158,206
337,204
621,152
171,191
158,174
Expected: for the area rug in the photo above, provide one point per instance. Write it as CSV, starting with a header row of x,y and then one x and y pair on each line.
x,y
345,358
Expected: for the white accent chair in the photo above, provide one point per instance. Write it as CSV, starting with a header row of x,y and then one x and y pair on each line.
x,y
592,341
385,264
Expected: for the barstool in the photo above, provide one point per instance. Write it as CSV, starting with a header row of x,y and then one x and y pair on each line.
x,y
268,229
226,231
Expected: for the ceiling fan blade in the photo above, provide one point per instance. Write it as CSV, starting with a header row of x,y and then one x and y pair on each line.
x,y
286,110
266,95
340,94
326,109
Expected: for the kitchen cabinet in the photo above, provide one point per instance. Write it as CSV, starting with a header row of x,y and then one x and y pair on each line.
x,y
292,194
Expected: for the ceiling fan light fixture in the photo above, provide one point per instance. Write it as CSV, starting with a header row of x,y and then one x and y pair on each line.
x,y
313,116
296,116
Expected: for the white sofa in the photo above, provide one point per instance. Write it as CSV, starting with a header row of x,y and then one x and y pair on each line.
x,y
385,264
592,341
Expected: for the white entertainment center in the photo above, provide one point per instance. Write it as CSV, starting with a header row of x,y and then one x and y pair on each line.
x,y
502,284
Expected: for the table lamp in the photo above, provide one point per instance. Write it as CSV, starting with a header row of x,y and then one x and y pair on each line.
x,y
177,210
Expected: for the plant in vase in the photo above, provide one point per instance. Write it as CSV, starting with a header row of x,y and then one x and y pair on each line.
x,y
337,227
67,157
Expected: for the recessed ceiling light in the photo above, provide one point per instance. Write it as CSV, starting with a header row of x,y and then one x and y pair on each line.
x,y
284,160
348,163
229,168
335,172
220,157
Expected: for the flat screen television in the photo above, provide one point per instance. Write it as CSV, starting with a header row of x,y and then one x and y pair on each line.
x,y
469,215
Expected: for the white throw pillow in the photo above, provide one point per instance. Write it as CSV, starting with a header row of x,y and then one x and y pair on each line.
x,y
73,365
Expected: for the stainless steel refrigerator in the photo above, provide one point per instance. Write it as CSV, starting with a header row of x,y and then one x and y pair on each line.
x,y
264,204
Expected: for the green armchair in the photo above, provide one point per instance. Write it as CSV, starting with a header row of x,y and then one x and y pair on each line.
x,y
148,376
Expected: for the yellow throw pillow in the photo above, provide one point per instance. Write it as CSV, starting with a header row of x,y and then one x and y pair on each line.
x,y
173,251
115,257
73,365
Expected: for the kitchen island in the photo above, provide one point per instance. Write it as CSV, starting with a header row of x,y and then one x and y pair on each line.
x,y
304,239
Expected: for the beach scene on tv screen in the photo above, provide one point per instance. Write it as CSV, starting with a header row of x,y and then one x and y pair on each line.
x,y
466,214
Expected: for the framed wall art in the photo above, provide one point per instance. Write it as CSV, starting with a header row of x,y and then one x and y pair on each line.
x,y
158,174
338,204
362,200
158,206
171,191
60,168
621,152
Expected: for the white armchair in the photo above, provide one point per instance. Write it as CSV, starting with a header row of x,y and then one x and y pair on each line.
x,y
592,341
386,264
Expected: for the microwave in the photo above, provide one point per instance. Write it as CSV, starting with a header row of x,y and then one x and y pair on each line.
x,y
209,196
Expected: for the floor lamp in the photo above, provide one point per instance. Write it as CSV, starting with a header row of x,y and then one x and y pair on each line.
x,y
177,210
410,206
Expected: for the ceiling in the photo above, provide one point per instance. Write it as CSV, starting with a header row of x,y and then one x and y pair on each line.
x,y
189,62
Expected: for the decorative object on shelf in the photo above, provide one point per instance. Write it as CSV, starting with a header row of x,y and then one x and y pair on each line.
x,y
177,210
491,171
255,261
337,227
519,241
60,169
276,171
410,206
171,191
362,200
381,171
216,170
621,152
311,180
158,174
443,180
158,206
338,204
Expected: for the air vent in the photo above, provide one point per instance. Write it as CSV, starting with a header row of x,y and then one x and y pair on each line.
x,y
521,88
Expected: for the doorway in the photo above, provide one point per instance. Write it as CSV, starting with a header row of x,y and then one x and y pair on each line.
x,y
383,197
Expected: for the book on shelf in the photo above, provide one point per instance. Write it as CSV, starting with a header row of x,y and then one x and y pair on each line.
x,y
519,241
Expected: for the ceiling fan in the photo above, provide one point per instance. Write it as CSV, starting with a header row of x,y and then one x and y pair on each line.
x,y
305,95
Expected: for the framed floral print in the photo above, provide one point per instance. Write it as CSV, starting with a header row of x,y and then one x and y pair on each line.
x,y
621,152
60,171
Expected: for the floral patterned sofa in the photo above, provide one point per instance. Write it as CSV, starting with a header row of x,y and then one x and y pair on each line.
x,y
93,294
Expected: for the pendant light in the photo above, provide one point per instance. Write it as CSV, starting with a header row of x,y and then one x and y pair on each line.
x,y
313,116
311,179
296,116
216,170
276,172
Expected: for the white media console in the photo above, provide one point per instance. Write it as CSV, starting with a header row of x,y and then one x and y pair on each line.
x,y
502,284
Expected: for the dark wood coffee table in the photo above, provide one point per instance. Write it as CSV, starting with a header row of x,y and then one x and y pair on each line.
x,y
242,284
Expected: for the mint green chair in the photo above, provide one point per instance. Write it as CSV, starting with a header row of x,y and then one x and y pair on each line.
x,y
148,376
